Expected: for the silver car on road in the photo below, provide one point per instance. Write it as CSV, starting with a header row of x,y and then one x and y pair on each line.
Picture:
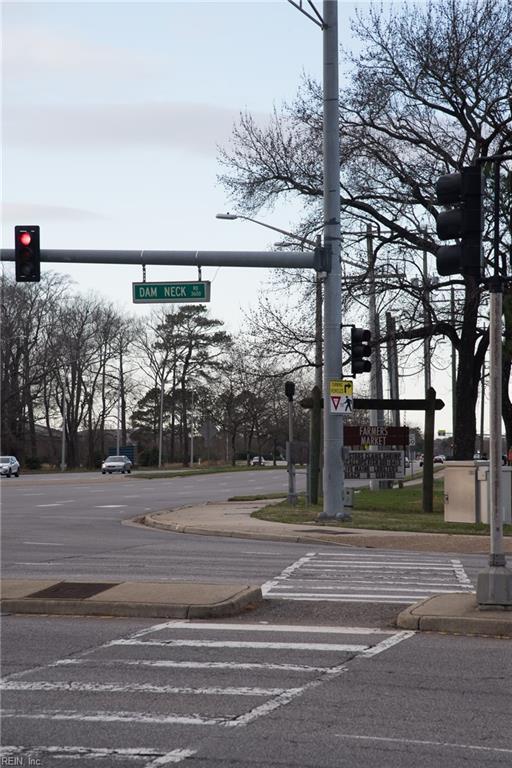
x,y
116,464
9,465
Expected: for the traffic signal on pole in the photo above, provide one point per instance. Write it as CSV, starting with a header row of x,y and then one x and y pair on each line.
x,y
463,222
27,254
360,350
289,390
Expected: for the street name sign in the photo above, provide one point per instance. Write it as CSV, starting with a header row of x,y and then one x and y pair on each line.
x,y
171,293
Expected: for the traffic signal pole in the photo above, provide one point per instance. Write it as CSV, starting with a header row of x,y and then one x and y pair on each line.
x,y
494,586
333,474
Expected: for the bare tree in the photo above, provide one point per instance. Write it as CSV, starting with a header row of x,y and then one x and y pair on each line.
x,y
429,92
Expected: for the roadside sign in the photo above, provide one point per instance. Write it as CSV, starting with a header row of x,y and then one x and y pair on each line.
x,y
171,293
341,396
374,465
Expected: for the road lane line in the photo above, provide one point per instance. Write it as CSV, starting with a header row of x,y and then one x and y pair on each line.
x,y
426,743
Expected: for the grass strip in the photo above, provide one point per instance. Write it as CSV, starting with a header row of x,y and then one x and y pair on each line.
x,y
394,509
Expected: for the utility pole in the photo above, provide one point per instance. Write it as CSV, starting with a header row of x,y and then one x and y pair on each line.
x,y
392,364
376,415
454,363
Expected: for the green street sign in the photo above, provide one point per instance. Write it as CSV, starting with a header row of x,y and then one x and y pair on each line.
x,y
170,293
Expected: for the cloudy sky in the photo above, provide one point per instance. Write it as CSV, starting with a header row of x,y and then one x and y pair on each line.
x,y
112,115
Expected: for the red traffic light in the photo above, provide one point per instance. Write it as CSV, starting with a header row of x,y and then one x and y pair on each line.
x,y
27,254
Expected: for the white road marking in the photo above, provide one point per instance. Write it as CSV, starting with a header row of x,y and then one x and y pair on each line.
x,y
243,644
42,565
421,742
111,506
56,504
167,663
287,572
70,687
389,642
352,577
103,716
266,628
34,754
44,543
461,575
283,699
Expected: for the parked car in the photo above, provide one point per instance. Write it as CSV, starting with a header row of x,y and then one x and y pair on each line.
x,y
9,465
116,464
259,461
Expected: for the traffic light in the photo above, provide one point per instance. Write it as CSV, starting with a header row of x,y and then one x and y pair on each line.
x,y
289,390
27,254
360,350
464,222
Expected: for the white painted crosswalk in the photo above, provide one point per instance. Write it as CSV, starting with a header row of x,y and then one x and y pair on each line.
x,y
154,681
368,577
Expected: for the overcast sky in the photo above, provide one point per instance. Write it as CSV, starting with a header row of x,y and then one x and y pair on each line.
x,y
112,114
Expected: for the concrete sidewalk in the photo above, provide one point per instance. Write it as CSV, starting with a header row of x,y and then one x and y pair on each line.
x,y
234,519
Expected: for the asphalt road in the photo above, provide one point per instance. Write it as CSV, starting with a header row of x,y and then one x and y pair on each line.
x,y
251,694
70,527
295,683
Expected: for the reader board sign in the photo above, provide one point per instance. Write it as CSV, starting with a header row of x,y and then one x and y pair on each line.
x,y
374,465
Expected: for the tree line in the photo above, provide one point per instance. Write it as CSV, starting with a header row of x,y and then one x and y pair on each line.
x,y
74,360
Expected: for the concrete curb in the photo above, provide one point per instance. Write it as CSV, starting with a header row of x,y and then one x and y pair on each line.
x,y
150,522
352,537
233,599
455,613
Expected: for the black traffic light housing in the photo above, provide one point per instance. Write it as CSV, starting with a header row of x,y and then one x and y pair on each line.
x,y
360,350
289,390
464,222
27,254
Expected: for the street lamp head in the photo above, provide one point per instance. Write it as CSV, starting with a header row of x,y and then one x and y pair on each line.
x,y
228,216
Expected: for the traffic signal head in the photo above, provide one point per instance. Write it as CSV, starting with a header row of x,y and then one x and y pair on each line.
x,y
27,254
464,222
360,350
289,390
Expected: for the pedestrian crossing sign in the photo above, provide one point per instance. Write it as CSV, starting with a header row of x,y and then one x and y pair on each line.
x,y
341,399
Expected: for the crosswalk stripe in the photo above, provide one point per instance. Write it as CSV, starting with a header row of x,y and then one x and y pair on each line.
x,y
243,644
9,754
71,687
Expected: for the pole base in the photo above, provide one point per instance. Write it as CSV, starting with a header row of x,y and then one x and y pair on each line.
x,y
494,588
